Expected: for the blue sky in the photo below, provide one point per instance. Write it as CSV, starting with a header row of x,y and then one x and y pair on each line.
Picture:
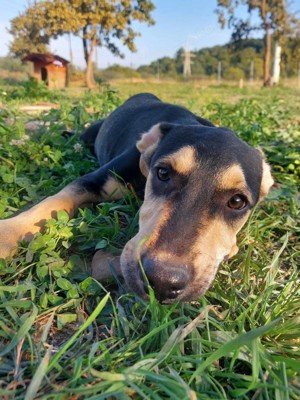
x,y
179,23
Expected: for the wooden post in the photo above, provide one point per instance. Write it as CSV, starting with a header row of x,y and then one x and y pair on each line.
x,y
251,78
219,71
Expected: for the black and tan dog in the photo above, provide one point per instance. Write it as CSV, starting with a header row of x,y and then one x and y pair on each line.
x,y
200,183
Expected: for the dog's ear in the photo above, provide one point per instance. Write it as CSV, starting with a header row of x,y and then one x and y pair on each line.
x,y
148,143
266,181
149,139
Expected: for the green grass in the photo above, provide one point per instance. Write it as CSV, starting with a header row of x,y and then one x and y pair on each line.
x,y
65,336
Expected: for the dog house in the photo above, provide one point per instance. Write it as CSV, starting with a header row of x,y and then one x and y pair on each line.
x,y
49,68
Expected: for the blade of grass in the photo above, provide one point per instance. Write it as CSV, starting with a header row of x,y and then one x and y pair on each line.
x,y
89,320
21,332
38,376
240,341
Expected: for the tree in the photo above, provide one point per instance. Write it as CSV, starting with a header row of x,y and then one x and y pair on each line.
x,y
274,19
28,33
98,22
291,56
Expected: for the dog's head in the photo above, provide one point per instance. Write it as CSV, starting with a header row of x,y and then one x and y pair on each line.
x,y
202,183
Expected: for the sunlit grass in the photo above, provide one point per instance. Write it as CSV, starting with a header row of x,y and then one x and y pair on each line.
x,y
64,335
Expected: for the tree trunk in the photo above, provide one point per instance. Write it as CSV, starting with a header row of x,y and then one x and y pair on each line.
x,y
85,45
90,80
267,57
89,77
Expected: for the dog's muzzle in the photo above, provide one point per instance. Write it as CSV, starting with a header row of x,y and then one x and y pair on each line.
x,y
169,282
172,278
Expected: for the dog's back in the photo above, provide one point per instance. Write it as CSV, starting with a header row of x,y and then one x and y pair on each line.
x,y
127,123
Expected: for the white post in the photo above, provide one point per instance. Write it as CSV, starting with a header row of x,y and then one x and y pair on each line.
x,y
187,64
131,72
276,64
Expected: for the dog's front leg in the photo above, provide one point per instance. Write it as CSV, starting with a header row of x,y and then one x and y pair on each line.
x,y
99,185
25,225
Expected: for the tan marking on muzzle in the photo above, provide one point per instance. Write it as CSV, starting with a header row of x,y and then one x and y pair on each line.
x,y
214,243
182,161
218,239
154,215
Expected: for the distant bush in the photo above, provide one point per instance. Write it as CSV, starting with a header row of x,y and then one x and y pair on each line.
x,y
30,89
13,64
116,72
75,73
234,73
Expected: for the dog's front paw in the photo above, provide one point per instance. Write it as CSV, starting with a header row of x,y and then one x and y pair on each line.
x,y
9,237
12,231
105,265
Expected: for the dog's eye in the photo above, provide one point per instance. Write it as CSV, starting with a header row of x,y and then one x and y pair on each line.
x,y
163,174
237,202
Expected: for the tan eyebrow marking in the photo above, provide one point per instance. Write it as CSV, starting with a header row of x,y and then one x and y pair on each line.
x,y
183,161
234,178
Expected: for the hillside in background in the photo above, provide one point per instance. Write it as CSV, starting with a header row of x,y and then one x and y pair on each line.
x,y
235,62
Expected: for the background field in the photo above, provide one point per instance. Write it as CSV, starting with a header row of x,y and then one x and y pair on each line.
x,y
64,335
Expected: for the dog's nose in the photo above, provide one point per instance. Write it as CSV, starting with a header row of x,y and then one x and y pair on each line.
x,y
168,282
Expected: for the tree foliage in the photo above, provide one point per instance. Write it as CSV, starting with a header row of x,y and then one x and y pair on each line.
x,y
98,22
274,20
236,61
29,35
